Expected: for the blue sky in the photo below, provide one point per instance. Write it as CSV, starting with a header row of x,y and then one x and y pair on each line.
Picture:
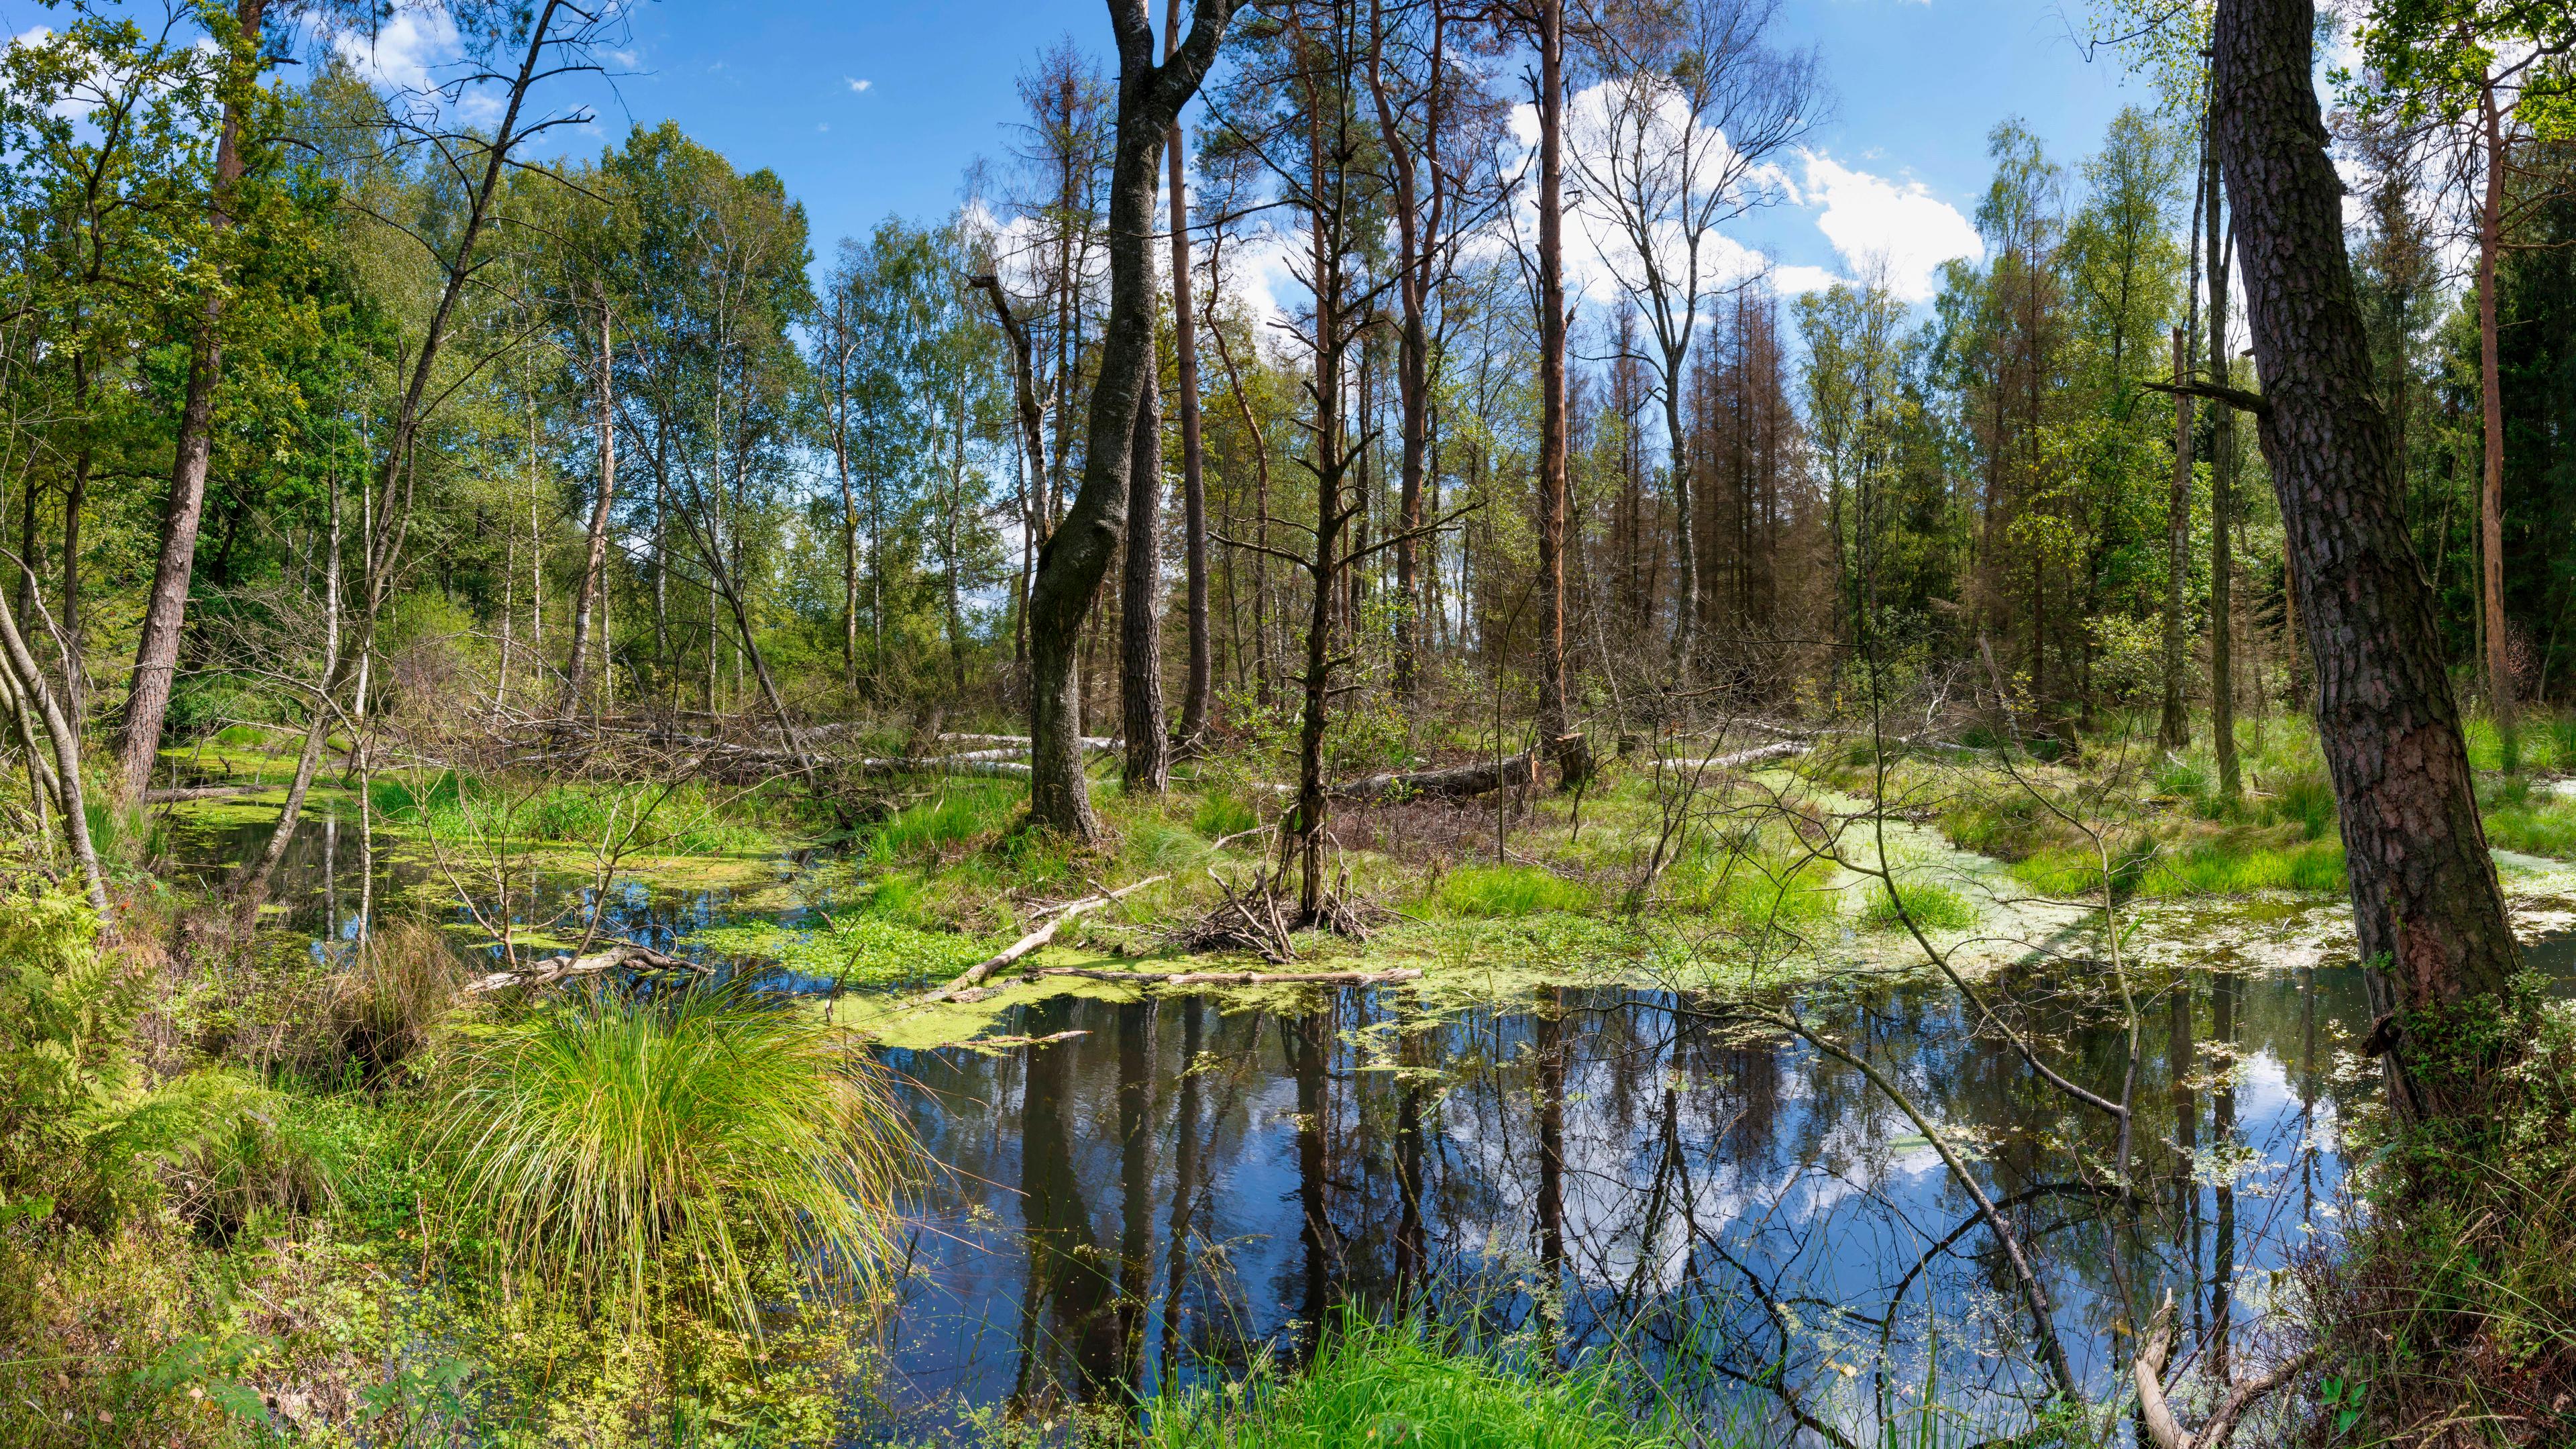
x,y
871,109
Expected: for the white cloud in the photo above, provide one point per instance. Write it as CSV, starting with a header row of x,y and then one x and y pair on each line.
x,y
856,85
401,51
1870,219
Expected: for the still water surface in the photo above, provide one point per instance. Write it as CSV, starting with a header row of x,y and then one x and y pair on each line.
x,y
1178,1186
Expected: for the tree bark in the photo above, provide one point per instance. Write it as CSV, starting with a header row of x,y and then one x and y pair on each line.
x,y
2499,657
1185,363
1551,381
2426,904
2222,508
156,650
1077,554
595,558
2173,730
1140,613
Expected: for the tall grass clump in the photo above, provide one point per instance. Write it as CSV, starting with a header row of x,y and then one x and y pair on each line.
x,y
962,811
620,1145
1407,1385
1931,907
1507,890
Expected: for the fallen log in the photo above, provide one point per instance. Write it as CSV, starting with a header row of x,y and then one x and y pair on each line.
x,y
196,792
943,765
556,968
1020,743
2163,1430
1453,782
1741,758
975,974
1235,978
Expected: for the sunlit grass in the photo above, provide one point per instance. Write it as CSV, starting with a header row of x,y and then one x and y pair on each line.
x,y
1931,907
1507,890
615,1144
1403,1385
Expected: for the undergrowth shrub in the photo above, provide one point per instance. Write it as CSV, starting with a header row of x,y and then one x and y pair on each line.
x,y
85,1136
617,1146
2454,1300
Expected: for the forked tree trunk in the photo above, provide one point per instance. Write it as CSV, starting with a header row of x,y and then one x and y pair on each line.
x,y
1140,613
1077,554
2429,912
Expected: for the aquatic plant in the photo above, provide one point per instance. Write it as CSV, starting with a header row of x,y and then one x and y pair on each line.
x,y
592,1140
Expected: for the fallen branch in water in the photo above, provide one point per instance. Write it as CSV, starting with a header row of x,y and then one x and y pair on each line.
x,y
2162,1427
556,968
976,973
1235,978
996,1043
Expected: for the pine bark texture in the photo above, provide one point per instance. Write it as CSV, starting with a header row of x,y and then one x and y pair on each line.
x,y
1551,383
1140,613
2426,903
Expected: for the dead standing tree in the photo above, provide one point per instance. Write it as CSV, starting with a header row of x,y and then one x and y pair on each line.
x,y
1677,140
1077,554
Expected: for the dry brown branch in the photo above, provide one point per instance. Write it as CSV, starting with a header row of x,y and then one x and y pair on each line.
x,y
975,974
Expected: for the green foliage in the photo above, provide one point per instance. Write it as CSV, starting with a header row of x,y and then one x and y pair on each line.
x,y
85,1136
860,948
1408,1385
1219,815
688,819
1506,890
1931,907
959,812
623,1145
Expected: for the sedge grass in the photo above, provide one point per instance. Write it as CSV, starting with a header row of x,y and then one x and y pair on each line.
x,y
1407,1385
614,1144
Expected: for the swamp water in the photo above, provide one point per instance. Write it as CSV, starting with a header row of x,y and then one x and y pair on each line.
x,y
1137,1193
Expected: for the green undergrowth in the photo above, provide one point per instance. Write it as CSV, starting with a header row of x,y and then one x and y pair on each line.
x,y
688,819
2171,832
1406,1385
2455,1299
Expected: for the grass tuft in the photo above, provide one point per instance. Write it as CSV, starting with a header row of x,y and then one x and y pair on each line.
x,y
1932,907
604,1141
1491,891
1404,1385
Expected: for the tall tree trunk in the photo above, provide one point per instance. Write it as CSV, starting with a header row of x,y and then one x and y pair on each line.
x,y
2173,729
2430,915
1185,363
2222,506
595,558
2499,654
1077,554
1552,719
156,650
1685,546
1140,598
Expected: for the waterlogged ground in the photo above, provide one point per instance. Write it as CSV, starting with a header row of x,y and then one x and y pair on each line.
x,y
1141,1186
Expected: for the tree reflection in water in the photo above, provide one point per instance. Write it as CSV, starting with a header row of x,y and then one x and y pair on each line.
x,y
1598,1166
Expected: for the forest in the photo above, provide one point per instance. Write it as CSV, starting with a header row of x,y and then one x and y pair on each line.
x,y
1328,767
